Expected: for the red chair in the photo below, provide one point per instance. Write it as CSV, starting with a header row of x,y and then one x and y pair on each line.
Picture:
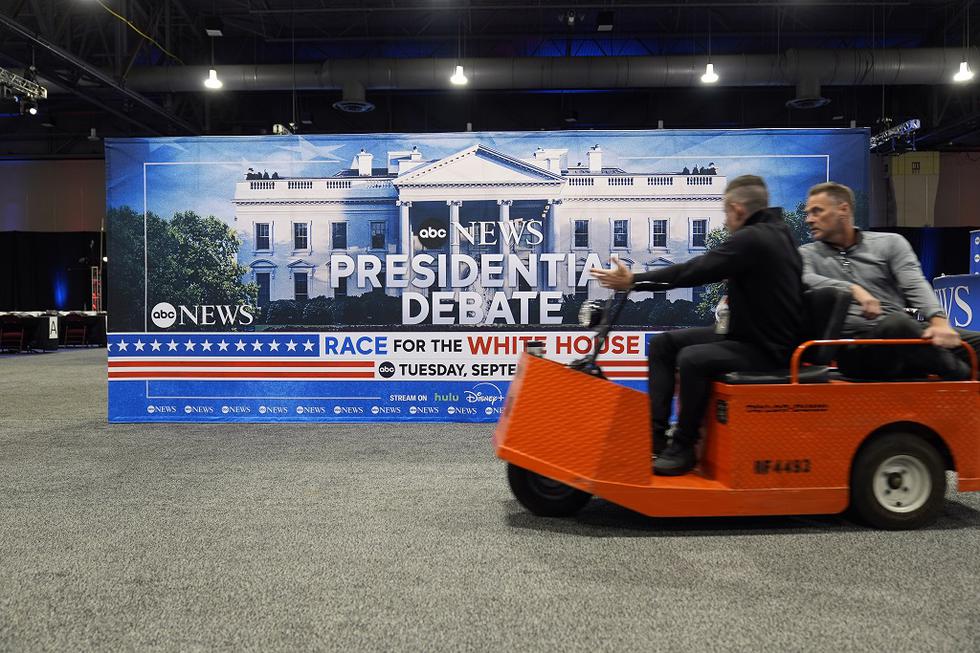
x,y
12,334
76,331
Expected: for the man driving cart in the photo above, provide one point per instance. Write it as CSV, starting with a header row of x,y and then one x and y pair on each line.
x,y
763,269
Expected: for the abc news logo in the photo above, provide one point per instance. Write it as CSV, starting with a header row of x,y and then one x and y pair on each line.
x,y
273,410
461,410
164,315
311,410
239,410
386,369
153,408
386,410
433,234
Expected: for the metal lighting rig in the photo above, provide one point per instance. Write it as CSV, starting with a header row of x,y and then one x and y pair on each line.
x,y
22,90
905,131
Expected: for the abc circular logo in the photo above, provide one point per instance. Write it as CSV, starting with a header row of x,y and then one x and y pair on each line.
x,y
188,409
375,410
336,410
488,410
413,410
451,410
299,410
163,315
262,409
224,409
386,369
151,409
433,234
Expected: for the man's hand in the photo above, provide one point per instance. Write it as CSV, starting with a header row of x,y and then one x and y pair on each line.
x,y
618,277
941,334
870,306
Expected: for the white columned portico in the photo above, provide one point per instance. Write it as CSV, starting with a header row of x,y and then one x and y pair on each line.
x,y
404,227
454,236
551,243
454,225
405,235
552,228
504,219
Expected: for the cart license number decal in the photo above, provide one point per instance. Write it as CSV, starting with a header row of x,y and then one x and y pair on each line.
x,y
787,408
795,466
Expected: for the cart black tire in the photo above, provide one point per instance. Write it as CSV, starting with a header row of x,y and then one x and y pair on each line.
x,y
543,496
898,482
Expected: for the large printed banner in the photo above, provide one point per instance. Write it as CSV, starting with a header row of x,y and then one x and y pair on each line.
x,y
397,276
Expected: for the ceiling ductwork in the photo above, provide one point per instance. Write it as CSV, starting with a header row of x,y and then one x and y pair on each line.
x,y
807,68
807,96
353,100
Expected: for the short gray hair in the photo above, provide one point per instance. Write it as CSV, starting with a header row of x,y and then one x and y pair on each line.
x,y
749,191
837,192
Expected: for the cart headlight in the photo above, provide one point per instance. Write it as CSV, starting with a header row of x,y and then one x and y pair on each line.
x,y
590,314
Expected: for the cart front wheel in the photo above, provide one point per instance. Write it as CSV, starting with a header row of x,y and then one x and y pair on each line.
x,y
543,496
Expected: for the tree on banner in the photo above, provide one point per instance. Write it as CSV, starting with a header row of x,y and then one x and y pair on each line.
x,y
191,261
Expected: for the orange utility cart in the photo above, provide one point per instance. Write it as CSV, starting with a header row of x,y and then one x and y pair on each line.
x,y
769,448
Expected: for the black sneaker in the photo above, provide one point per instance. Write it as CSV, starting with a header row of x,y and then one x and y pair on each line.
x,y
677,459
662,440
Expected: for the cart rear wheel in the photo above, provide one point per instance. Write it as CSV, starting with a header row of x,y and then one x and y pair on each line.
x,y
544,496
898,482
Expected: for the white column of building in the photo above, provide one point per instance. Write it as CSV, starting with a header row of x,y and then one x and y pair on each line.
x,y
552,244
405,235
454,234
504,218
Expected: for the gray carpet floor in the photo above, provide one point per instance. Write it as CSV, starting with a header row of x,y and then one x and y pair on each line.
x,y
381,537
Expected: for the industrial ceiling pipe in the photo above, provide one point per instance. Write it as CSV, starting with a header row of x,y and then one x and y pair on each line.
x,y
925,66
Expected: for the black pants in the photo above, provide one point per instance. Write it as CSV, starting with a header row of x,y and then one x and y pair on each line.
x,y
905,361
699,355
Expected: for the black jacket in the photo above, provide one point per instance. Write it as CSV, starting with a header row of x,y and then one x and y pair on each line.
x,y
765,290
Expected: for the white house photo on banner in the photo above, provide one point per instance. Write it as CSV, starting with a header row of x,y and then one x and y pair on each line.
x,y
290,227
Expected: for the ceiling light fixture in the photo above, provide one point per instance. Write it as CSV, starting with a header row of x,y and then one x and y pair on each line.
x,y
604,21
213,26
212,81
964,74
709,76
459,77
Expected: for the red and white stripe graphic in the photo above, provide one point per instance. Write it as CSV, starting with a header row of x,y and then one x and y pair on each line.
x,y
230,370
624,369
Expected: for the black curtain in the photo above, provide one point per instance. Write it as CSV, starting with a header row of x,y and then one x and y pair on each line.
x,y
48,270
941,250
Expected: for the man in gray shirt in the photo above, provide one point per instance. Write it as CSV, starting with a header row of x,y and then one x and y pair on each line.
x,y
882,273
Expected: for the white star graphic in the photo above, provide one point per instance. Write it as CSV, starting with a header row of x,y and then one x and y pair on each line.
x,y
122,346
139,345
273,346
308,345
256,346
155,345
108,347
190,344
172,346
240,346
290,346
206,346
222,346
